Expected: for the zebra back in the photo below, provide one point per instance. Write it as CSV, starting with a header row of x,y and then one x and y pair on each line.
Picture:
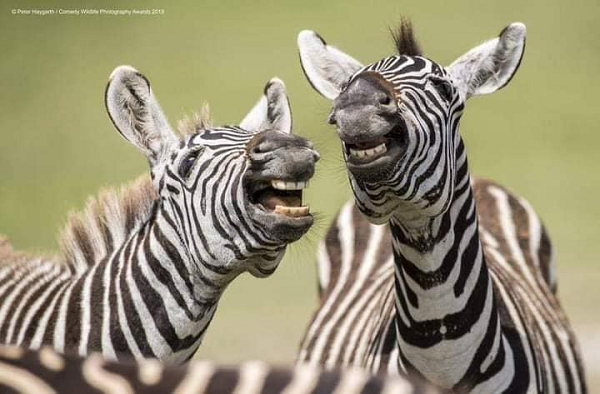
x,y
355,267
45,372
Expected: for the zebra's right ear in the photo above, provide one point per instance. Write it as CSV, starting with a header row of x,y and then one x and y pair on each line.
x,y
136,114
272,111
326,67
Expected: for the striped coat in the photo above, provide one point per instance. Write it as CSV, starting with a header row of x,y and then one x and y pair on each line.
x,y
459,288
142,268
47,372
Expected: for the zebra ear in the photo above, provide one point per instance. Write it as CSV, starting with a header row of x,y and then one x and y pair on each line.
x,y
136,114
272,111
326,67
491,65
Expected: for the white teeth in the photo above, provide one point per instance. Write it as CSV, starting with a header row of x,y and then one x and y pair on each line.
x,y
285,210
362,153
291,211
282,185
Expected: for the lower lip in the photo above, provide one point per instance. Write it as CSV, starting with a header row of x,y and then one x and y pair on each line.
x,y
293,221
292,218
367,165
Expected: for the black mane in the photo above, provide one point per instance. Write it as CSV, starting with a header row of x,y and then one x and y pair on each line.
x,y
404,39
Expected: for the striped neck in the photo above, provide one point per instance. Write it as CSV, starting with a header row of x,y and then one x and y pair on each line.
x,y
156,279
202,269
198,271
444,294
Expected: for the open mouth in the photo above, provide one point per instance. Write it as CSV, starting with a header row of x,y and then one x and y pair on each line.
x,y
366,152
279,197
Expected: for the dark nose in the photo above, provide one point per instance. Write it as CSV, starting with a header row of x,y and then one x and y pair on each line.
x,y
278,155
365,110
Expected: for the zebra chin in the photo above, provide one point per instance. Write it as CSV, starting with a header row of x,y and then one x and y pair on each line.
x,y
375,167
281,228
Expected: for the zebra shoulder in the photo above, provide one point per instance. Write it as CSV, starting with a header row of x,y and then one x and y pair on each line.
x,y
351,242
509,223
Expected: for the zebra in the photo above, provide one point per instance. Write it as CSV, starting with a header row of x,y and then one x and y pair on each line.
x,y
47,372
459,287
142,268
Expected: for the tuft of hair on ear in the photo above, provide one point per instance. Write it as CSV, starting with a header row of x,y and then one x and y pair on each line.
x,y
404,39
199,121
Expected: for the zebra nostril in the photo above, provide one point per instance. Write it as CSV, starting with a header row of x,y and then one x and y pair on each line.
x,y
385,99
331,119
261,147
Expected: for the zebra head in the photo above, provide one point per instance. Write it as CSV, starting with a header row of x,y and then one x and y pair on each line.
x,y
398,118
231,194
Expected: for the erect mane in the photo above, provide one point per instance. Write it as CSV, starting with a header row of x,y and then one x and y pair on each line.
x,y
404,39
197,122
113,215
106,222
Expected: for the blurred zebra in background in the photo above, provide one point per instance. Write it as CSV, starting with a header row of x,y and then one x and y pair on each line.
x,y
47,372
460,287
142,269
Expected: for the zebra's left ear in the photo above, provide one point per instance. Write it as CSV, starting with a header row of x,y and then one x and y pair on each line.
x,y
272,112
491,65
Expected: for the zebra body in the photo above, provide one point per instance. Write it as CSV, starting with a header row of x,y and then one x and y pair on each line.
x,y
143,268
48,372
354,323
459,287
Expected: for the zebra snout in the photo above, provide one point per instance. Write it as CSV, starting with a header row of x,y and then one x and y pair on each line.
x,y
365,110
290,163
286,156
295,163
363,124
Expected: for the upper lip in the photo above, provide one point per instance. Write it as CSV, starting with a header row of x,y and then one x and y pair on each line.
x,y
367,151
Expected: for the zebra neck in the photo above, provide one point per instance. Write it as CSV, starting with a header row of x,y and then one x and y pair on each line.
x,y
444,295
169,289
194,271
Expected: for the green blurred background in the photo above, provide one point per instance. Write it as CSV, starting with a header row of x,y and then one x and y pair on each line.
x,y
540,136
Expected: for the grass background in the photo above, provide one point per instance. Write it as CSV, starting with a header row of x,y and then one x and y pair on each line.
x,y
539,136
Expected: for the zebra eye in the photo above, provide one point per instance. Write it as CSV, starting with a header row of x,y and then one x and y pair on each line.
x,y
443,87
187,164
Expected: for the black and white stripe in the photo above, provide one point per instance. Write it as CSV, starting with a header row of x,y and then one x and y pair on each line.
x,y
143,268
46,372
459,288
